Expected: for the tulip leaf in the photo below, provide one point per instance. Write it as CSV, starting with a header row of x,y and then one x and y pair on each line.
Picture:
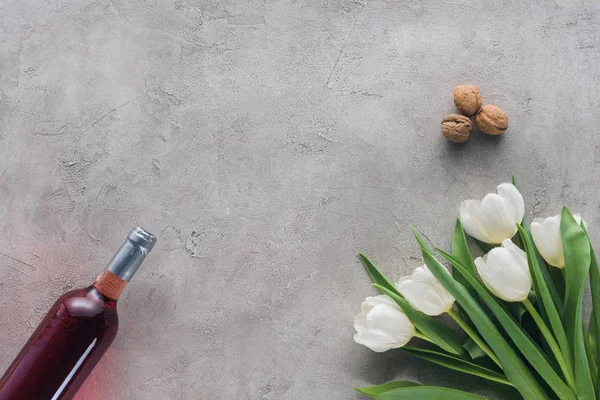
x,y
517,373
474,350
386,387
405,390
517,310
435,330
556,274
592,334
461,251
544,299
576,249
594,325
515,369
376,275
590,357
478,356
457,364
519,313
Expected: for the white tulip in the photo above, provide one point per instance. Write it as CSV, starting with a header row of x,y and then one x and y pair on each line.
x,y
424,293
381,325
495,218
546,236
505,272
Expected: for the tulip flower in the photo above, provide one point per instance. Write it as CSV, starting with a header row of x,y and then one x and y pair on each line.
x,y
494,218
424,293
382,325
505,272
546,236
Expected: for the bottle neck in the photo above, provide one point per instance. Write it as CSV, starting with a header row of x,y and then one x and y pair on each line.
x,y
125,263
110,285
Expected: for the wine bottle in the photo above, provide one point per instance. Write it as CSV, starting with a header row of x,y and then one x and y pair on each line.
x,y
76,332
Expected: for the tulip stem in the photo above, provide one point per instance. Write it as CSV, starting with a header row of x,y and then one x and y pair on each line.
x,y
473,335
422,336
554,347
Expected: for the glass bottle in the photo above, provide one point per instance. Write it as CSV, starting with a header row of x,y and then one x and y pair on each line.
x,y
80,326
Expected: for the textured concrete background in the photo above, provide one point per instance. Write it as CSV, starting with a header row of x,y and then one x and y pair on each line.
x,y
265,143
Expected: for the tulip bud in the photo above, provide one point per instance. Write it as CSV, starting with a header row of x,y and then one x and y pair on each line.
x,y
424,293
505,272
546,236
382,325
495,218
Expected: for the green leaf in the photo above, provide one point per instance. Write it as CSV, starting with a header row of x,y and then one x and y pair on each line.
x,y
590,358
544,299
515,369
517,310
461,251
376,275
436,331
516,372
556,274
594,326
457,364
519,313
576,249
386,387
593,331
474,350
413,391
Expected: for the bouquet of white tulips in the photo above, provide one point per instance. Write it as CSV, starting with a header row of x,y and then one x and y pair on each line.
x,y
520,306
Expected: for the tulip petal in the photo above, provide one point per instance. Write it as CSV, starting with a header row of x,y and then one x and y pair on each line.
x,y
494,218
505,272
373,342
552,228
546,236
512,194
470,215
379,299
390,322
424,293
360,323
382,325
497,218
509,245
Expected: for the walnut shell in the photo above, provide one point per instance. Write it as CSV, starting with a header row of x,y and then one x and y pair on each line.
x,y
491,120
467,99
456,128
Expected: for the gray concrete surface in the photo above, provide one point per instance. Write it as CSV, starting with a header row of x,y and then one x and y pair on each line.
x,y
266,143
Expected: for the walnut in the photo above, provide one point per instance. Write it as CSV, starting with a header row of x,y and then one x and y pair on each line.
x,y
491,120
456,128
467,99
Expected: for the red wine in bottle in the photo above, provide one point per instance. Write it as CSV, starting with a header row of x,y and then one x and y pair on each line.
x,y
76,332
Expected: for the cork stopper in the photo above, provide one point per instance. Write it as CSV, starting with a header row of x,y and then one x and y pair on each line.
x,y
110,285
